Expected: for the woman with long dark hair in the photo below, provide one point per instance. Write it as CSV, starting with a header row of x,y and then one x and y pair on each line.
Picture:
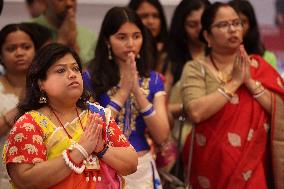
x,y
183,45
120,78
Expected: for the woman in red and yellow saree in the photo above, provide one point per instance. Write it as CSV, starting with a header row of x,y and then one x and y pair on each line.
x,y
236,102
60,140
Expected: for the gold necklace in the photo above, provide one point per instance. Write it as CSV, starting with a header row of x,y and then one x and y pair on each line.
x,y
223,77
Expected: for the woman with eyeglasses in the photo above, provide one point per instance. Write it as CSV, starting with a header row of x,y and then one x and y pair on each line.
x,y
236,103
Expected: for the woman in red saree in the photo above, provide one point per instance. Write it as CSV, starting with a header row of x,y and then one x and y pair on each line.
x,y
236,102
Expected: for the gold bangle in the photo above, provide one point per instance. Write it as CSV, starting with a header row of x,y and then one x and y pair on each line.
x,y
228,92
258,85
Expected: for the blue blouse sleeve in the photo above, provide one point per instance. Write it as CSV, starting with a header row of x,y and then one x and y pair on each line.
x,y
156,83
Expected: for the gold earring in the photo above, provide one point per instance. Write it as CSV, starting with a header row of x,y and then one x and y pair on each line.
x,y
109,52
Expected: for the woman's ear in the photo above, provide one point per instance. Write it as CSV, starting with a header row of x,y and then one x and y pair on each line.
x,y
207,38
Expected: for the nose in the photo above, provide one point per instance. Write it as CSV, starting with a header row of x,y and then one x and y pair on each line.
x,y
130,42
231,27
19,51
72,74
150,20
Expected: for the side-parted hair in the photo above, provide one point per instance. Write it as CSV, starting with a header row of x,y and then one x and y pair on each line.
x,y
178,52
104,72
44,59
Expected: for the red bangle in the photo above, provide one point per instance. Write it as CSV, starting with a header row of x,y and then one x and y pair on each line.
x,y
72,161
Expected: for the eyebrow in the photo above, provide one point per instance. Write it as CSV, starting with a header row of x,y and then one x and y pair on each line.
x,y
228,20
125,33
74,63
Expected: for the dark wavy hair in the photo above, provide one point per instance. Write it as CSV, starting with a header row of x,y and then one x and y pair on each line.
x,y
44,59
104,72
178,52
163,36
252,39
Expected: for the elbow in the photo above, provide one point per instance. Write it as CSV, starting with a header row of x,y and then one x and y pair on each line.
x,y
131,166
193,113
27,185
163,136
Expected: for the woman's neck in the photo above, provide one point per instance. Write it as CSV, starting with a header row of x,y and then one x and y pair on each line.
x,y
16,80
62,107
223,60
196,50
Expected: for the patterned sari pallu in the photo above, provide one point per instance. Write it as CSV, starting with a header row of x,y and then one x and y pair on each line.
x,y
34,139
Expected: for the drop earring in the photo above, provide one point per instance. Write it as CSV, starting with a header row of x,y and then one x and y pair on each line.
x,y
109,52
42,99
138,56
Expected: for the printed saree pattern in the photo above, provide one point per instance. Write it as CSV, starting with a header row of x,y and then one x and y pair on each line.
x,y
34,138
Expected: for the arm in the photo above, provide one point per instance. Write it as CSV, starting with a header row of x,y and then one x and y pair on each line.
x,y
157,123
198,104
264,97
67,33
120,155
204,107
123,159
26,174
41,175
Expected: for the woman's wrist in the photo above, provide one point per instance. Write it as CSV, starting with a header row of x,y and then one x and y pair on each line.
x,y
102,151
251,84
121,95
232,86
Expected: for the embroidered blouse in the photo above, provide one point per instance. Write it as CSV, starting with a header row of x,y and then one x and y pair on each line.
x,y
152,86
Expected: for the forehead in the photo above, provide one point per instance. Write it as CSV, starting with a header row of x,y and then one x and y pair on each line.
x,y
18,37
58,3
128,28
225,13
67,59
195,15
147,7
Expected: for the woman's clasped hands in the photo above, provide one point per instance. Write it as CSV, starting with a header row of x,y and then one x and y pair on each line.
x,y
92,138
241,68
129,80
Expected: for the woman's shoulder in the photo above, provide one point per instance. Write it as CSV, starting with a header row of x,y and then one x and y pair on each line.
x,y
198,64
95,107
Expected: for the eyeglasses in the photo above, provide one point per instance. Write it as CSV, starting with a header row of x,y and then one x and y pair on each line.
x,y
225,25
